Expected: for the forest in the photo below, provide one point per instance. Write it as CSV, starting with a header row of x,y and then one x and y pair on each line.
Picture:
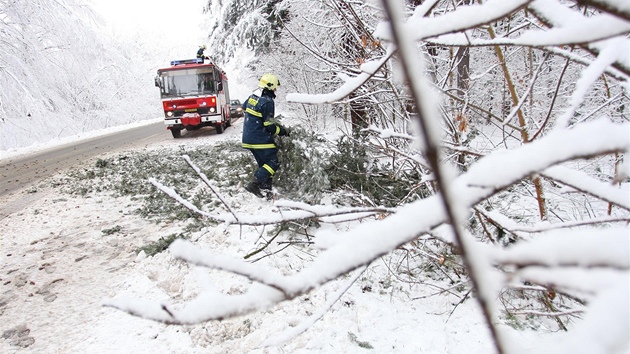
x,y
63,75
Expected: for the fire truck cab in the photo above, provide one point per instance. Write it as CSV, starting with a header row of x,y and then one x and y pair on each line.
x,y
194,94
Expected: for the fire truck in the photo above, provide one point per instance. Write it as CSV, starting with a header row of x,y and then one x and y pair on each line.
x,y
194,94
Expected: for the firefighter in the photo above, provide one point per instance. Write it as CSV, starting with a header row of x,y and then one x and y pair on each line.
x,y
259,130
201,54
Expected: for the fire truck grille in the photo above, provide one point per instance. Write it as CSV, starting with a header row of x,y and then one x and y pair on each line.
x,y
201,111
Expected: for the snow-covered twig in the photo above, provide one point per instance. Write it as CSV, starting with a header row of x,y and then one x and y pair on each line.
x,y
587,184
548,314
617,8
568,21
594,221
549,250
204,178
173,194
309,322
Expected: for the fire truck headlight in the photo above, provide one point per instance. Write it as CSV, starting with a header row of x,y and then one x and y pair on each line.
x,y
169,114
212,110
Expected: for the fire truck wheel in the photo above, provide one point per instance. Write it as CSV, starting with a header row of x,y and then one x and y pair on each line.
x,y
177,133
220,128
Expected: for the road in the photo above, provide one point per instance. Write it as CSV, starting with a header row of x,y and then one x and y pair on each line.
x,y
22,172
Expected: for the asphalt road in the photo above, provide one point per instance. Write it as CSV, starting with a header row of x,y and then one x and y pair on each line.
x,y
22,172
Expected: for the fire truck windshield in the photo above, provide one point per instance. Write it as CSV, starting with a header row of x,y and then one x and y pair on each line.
x,y
187,82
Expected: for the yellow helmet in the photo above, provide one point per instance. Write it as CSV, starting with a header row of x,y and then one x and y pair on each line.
x,y
203,46
269,81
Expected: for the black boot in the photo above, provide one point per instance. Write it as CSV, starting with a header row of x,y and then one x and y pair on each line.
x,y
254,188
265,189
266,185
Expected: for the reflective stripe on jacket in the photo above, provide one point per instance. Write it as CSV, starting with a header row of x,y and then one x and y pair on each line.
x,y
258,130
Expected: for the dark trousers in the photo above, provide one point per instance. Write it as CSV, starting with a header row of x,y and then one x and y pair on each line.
x,y
268,165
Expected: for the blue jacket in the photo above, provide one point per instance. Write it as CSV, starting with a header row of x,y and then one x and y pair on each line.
x,y
259,127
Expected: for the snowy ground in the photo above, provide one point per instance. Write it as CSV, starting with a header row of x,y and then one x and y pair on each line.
x,y
57,265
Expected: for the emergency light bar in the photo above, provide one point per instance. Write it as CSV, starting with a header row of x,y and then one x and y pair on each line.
x,y
187,61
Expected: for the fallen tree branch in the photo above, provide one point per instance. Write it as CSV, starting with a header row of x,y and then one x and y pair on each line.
x,y
369,241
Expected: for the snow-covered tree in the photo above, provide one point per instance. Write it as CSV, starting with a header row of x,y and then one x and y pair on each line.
x,y
57,65
235,24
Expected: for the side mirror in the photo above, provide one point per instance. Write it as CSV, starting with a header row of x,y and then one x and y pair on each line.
x,y
220,86
158,82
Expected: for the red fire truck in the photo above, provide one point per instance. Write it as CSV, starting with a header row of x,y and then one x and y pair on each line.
x,y
194,95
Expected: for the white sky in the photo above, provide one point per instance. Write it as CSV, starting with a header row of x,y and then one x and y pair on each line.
x,y
175,25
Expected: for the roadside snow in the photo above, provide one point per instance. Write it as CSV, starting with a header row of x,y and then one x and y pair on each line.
x,y
33,148
59,261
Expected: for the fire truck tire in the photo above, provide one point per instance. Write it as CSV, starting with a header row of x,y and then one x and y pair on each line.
x,y
220,128
177,133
